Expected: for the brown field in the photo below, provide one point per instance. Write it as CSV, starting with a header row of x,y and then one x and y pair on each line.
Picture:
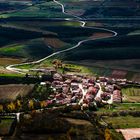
x,y
9,61
119,74
100,35
133,99
11,91
93,23
78,12
55,42
136,77
5,71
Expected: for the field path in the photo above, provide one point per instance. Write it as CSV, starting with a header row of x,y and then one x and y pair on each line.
x,y
83,25
130,133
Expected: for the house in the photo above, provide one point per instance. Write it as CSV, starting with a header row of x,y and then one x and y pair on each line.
x,y
117,98
74,86
92,90
57,76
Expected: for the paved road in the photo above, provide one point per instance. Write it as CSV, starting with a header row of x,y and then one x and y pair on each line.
x,y
76,18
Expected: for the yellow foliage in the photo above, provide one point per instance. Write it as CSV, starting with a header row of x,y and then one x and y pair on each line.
x,y
43,104
1,108
19,103
108,134
11,106
31,104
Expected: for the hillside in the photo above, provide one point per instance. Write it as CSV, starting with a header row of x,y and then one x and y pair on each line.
x,y
104,9
52,125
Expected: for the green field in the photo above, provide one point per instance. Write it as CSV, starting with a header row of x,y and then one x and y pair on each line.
x,y
123,122
58,37
6,126
30,50
117,108
44,10
101,9
131,94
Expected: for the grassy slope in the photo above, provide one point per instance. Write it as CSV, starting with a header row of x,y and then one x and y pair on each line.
x,y
43,10
34,49
107,9
107,49
67,34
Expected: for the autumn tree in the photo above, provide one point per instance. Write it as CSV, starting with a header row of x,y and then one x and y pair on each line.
x,y
31,104
57,63
108,134
18,104
11,107
1,108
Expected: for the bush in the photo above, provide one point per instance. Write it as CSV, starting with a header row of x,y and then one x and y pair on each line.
x,y
123,113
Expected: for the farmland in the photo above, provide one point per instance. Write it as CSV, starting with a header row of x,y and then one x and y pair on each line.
x,y
123,122
102,9
6,126
131,94
12,91
75,62
8,61
44,26
44,9
33,49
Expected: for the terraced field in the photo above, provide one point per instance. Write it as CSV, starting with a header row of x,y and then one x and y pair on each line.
x,y
12,91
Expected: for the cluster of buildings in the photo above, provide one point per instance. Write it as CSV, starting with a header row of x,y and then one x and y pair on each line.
x,y
83,90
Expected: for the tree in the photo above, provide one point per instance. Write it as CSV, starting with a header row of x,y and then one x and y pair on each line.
x,y
57,63
108,134
18,104
1,108
43,104
11,107
31,104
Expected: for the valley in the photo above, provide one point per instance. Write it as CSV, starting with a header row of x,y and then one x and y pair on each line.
x,y
67,65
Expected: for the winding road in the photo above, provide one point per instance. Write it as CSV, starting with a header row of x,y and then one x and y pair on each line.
x,y
82,24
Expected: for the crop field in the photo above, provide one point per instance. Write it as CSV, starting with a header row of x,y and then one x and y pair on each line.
x,y
55,42
131,94
123,122
10,7
45,10
9,35
38,33
58,37
3,71
10,92
31,50
109,53
37,24
6,126
107,9
100,35
9,61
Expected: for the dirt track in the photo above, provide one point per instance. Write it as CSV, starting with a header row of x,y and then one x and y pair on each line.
x,y
130,133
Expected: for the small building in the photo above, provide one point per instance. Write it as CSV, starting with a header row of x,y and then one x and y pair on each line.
x,y
117,97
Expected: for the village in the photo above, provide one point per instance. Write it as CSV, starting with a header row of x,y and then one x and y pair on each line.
x,y
83,90
65,85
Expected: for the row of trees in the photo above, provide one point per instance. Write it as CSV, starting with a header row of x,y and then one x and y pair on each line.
x,y
19,106
38,98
